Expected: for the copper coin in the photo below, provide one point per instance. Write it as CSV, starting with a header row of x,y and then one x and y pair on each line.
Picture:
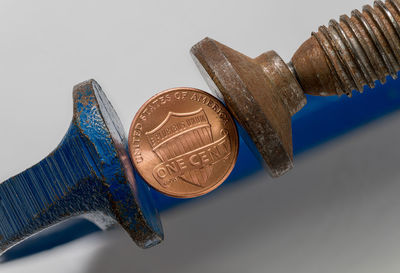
x,y
183,142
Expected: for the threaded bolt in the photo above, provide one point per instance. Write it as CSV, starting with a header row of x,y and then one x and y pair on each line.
x,y
263,93
358,50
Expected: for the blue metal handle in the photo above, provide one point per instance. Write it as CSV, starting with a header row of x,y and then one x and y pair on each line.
x,y
89,173
61,185
322,119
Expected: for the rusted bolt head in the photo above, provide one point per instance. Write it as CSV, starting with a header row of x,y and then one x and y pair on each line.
x,y
262,94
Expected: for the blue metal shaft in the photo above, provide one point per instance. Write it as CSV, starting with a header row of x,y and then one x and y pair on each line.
x,y
323,119
60,186
89,174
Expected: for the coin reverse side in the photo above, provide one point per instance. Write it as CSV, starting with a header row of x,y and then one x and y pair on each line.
x,y
183,142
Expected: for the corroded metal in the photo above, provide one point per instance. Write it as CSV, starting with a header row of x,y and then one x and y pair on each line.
x,y
88,174
263,93
351,53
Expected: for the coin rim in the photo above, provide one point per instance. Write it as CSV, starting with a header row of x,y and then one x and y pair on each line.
x,y
229,170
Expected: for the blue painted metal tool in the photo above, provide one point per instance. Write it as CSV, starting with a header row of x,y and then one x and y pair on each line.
x,y
322,120
88,174
263,93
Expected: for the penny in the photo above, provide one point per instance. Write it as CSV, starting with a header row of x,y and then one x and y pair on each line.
x,y
183,142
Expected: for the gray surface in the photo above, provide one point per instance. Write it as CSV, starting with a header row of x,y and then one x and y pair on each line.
x,y
134,49
337,211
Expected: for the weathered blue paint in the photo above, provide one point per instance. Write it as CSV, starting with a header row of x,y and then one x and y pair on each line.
x,y
89,174
322,119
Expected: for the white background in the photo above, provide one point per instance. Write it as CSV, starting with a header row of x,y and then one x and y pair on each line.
x,y
337,211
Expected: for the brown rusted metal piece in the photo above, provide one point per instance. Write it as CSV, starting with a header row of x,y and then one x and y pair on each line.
x,y
263,93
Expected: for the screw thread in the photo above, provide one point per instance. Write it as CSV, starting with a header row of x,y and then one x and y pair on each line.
x,y
363,48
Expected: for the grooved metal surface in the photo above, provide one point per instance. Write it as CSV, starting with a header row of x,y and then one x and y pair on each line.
x,y
63,42
89,173
363,48
35,198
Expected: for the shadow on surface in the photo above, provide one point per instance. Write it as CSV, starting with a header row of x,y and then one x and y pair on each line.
x,y
52,237
337,211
